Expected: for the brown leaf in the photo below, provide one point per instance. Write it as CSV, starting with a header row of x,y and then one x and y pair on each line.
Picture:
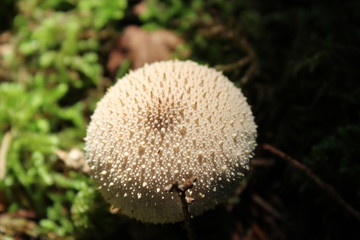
x,y
5,48
140,8
142,47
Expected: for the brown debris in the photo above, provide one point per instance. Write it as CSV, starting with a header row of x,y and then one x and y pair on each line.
x,y
73,159
18,223
114,210
181,187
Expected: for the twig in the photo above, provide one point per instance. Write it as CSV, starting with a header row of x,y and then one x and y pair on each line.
x,y
310,174
238,64
239,41
180,189
19,214
259,234
261,162
246,46
5,143
187,216
250,72
266,206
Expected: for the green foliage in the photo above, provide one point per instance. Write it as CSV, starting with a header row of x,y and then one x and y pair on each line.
x,y
63,45
56,49
34,116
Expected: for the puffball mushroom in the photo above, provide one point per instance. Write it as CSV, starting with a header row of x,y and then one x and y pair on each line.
x,y
165,122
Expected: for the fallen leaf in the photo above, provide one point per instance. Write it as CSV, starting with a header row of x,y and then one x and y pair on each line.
x,y
140,8
140,47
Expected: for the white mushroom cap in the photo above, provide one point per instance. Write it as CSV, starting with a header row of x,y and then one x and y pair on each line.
x,y
169,121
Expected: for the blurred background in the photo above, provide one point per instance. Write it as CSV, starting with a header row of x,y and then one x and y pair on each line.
x,y
298,63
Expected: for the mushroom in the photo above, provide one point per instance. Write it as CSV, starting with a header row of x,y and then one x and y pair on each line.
x,y
165,122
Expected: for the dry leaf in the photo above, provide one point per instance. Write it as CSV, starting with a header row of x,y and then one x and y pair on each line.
x,y
142,47
5,48
140,8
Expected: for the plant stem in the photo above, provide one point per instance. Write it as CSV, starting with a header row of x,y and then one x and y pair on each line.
x,y
4,147
187,216
181,189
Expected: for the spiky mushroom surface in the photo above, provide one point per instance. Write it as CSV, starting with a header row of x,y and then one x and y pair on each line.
x,y
166,122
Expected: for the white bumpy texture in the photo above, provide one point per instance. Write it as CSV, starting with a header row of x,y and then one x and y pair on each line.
x,y
169,121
